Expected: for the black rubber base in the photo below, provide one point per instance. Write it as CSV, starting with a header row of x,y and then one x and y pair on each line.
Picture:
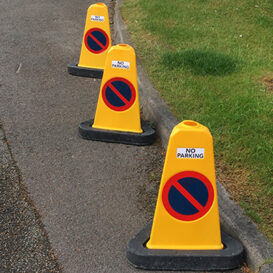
x,y
80,71
158,259
86,131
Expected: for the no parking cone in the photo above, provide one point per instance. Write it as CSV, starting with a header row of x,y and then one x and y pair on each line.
x,y
117,116
95,45
185,233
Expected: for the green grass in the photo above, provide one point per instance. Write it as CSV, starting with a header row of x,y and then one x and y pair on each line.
x,y
207,59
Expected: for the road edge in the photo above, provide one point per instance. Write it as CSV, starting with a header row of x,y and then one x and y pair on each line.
x,y
26,227
234,221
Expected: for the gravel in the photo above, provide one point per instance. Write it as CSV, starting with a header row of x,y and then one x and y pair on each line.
x,y
24,245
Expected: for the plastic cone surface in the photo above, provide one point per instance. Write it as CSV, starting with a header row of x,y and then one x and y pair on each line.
x,y
118,103
186,215
97,38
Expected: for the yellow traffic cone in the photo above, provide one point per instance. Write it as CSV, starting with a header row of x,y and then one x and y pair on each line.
x,y
186,218
117,116
95,45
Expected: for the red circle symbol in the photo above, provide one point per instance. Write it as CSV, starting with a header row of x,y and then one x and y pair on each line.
x,y
96,40
118,94
188,195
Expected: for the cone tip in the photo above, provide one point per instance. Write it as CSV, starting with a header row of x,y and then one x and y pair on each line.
x,y
190,123
98,5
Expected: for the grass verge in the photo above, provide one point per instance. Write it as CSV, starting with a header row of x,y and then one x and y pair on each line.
x,y
212,61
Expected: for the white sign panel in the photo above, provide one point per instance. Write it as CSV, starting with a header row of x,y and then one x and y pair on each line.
x,y
120,64
190,153
97,18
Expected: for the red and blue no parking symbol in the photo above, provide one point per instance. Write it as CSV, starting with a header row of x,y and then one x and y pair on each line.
x,y
118,94
188,195
96,40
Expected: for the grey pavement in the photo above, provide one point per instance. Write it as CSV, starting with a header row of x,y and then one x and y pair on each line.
x,y
92,197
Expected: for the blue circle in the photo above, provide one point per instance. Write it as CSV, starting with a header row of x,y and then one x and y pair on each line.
x,y
100,37
196,188
124,90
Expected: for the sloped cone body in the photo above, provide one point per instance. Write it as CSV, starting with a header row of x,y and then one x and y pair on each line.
x,y
117,117
95,44
186,225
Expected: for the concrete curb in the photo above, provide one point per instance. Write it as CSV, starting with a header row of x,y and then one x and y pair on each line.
x,y
233,219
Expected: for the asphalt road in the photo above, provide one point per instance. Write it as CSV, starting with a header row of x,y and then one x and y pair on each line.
x,y
92,197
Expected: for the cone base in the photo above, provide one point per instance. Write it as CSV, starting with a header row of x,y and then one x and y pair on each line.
x,y
86,131
80,71
195,260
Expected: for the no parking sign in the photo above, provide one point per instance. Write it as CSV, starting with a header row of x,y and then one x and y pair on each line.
x,y
96,43
188,195
186,215
96,40
118,94
118,104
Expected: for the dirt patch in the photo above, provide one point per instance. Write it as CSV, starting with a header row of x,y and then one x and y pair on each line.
x,y
148,189
246,269
235,181
268,82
